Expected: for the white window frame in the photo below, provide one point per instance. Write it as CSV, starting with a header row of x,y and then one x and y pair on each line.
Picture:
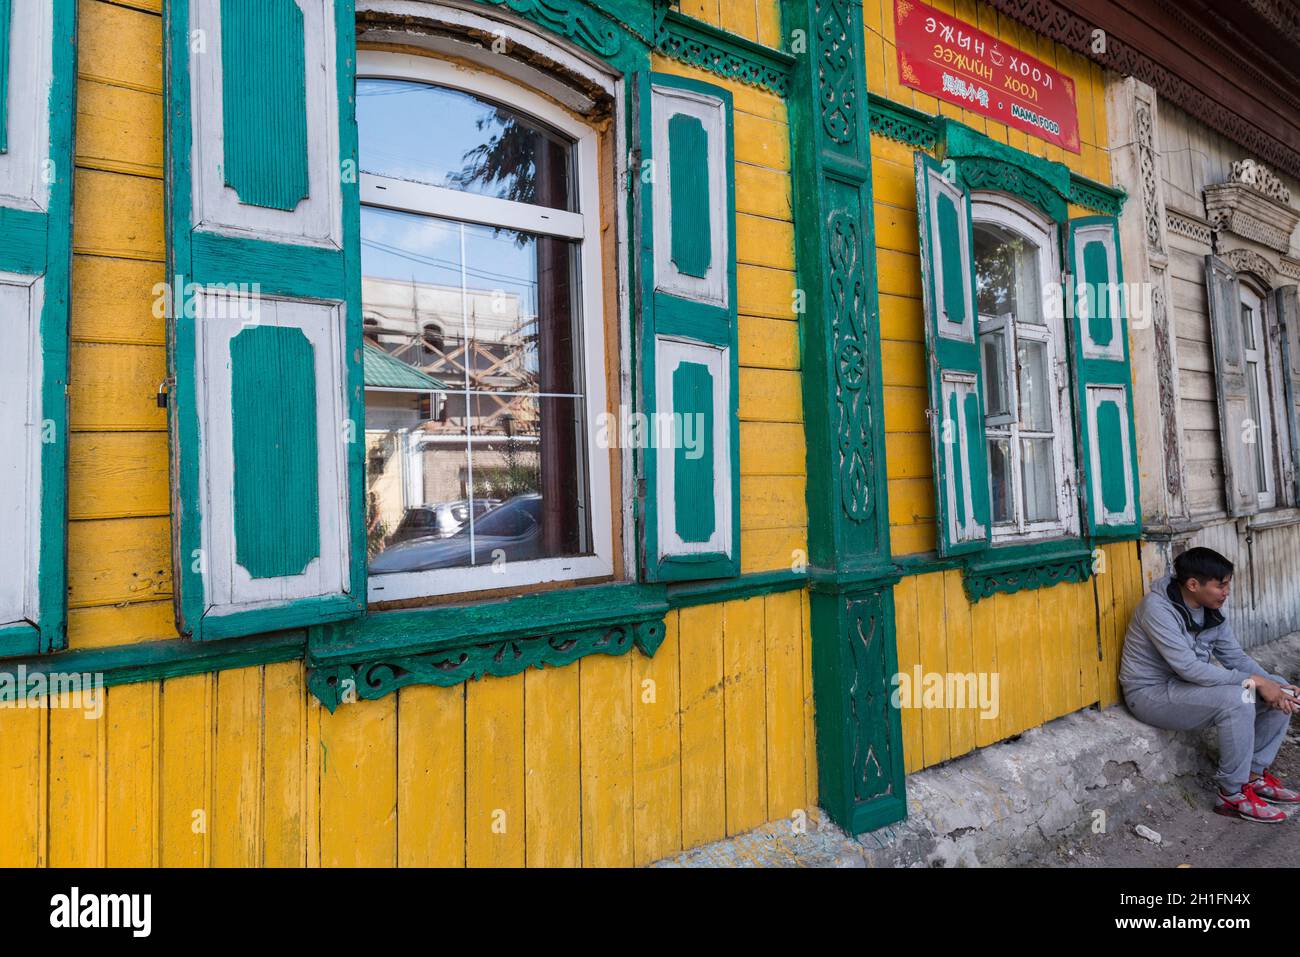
x,y
583,226
1000,210
1261,358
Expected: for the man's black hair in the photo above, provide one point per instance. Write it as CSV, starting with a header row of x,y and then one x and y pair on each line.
x,y
1201,564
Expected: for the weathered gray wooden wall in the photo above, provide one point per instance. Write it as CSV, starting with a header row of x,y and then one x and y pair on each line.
x,y
1166,159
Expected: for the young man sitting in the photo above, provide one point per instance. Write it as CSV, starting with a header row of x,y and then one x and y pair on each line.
x,y
1169,682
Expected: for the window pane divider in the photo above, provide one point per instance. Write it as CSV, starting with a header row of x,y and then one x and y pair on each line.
x,y
410,197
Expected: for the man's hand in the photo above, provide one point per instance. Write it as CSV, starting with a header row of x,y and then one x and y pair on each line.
x,y
1273,695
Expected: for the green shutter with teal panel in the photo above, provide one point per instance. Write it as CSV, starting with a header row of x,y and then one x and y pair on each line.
x,y
1103,380
266,407
689,467
952,346
38,61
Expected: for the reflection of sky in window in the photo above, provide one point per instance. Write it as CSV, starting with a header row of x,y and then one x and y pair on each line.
x,y
429,134
425,250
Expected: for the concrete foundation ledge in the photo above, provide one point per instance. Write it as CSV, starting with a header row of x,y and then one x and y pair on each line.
x,y
1009,803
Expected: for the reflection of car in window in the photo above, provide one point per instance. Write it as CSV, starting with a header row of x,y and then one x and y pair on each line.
x,y
511,531
438,521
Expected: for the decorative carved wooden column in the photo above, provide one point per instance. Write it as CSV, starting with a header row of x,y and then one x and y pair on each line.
x,y
859,735
1133,119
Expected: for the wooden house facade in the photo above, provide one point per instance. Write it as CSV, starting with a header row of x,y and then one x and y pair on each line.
x,y
506,432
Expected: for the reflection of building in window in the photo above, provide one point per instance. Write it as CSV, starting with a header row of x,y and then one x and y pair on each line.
x,y
496,370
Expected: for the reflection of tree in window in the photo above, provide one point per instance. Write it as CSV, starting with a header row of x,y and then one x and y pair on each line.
x,y
523,162
997,254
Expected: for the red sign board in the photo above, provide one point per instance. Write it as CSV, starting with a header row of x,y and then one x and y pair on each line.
x,y
948,58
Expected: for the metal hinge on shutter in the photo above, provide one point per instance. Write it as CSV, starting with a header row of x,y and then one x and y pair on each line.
x,y
633,172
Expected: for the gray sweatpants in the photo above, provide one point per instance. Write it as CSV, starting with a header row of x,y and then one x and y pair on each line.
x,y
1250,732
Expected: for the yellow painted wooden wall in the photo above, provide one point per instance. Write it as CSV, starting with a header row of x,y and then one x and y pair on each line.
x,y
1056,650
119,565
757,20
608,761
567,766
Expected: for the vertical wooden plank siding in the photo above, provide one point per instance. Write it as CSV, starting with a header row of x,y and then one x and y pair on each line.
x,y
22,760
358,785
131,794
283,780
606,724
494,778
430,777
1042,645
185,774
552,759
656,751
783,672
237,746
704,787
744,712
75,834
587,766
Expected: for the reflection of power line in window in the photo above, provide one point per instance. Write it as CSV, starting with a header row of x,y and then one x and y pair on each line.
x,y
449,264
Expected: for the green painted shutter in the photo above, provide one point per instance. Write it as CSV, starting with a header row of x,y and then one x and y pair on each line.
x,y
266,407
38,60
1287,301
689,466
1103,380
952,344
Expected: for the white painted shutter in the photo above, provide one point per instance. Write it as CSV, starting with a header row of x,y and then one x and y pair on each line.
x,y
267,406
690,514
952,343
37,103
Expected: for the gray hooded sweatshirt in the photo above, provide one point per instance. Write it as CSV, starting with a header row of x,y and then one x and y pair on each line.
x,y
1164,641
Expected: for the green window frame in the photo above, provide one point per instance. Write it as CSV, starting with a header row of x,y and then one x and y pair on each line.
x,y
1099,428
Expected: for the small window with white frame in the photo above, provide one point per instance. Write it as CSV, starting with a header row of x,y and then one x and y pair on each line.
x,y
485,325
1026,395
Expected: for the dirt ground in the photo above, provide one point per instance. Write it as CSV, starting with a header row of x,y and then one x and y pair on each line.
x,y
1191,833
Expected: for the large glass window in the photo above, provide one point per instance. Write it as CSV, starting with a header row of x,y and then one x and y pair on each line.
x,y
483,338
1025,398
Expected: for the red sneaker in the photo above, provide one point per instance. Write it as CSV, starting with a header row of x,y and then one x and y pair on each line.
x,y
1247,805
1274,791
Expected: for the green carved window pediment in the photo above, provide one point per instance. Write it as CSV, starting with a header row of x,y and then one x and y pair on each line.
x,y
1008,569
1014,568
447,644
984,163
